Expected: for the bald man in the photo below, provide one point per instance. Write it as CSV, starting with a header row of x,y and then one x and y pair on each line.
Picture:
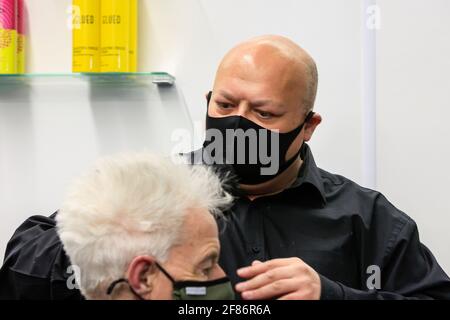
x,y
297,231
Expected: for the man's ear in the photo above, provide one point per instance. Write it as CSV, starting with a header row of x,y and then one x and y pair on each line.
x,y
140,274
311,126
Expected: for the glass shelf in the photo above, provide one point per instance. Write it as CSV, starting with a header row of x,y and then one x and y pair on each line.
x,y
158,78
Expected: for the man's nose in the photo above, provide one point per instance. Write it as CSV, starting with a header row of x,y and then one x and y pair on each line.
x,y
243,109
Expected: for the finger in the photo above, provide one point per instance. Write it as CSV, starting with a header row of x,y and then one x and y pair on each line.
x,y
272,290
265,278
256,262
300,294
251,271
291,296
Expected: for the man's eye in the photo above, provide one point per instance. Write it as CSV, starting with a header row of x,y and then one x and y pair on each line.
x,y
206,272
224,105
264,115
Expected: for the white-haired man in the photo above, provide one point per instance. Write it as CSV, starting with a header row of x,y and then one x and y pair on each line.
x,y
143,227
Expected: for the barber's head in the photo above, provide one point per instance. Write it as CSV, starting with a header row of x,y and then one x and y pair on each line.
x,y
140,225
272,82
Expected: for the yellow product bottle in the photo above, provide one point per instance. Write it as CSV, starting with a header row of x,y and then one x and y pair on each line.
x,y
20,37
8,36
115,36
86,36
133,35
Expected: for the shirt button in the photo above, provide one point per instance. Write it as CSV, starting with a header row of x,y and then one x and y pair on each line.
x,y
256,249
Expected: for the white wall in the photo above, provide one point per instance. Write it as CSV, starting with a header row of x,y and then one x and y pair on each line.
x,y
413,105
51,131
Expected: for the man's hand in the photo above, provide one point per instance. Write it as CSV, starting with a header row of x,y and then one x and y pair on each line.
x,y
285,279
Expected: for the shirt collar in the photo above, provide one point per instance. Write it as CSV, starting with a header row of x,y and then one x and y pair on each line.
x,y
309,174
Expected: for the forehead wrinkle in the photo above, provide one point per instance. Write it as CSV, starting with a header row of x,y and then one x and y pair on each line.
x,y
275,60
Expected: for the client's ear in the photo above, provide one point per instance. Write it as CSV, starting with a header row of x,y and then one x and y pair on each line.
x,y
140,274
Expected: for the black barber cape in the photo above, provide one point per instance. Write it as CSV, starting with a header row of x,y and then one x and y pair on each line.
x,y
347,233
35,265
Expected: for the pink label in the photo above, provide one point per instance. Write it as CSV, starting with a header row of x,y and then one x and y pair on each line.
x,y
20,16
7,14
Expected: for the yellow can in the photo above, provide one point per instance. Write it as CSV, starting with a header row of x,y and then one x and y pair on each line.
x,y
115,35
8,36
86,36
20,37
133,35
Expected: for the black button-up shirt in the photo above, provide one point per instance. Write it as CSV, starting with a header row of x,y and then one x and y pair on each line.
x,y
345,232
342,230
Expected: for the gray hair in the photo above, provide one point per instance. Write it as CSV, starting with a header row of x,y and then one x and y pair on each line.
x,y
132,205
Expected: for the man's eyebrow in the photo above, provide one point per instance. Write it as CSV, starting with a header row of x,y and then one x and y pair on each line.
x,y
259,103
256,103
227,96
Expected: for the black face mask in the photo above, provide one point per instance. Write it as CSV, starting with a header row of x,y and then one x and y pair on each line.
x,y
250,149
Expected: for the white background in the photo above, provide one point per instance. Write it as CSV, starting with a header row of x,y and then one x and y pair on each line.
x,y
51,131
413,109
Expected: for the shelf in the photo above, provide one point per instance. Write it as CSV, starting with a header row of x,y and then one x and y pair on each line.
x,y
158,78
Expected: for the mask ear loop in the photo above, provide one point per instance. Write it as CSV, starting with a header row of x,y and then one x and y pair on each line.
x,y
208,98
115,283
165,273
309,117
